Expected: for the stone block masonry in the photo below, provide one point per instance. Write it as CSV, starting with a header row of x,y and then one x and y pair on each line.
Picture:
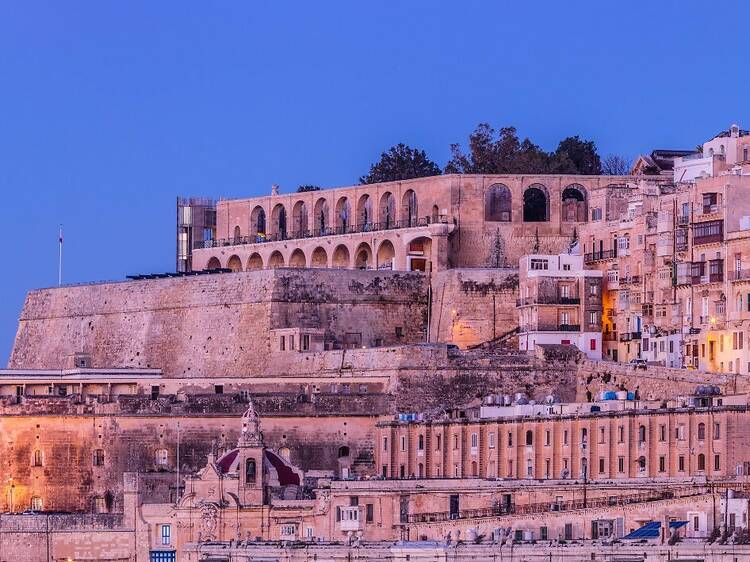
x,y
215,325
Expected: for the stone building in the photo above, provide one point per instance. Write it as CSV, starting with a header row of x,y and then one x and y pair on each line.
x,y
559,303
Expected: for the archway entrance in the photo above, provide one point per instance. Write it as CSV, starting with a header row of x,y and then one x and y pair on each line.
x,y
297,259
363,256
235,264
535,204
255,261
319,258
341,258
276,260
386,255
418,254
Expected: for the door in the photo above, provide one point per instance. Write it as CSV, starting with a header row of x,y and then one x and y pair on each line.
x,y
454,506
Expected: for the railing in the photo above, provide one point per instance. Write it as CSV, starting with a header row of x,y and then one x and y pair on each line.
x,y
630,280
328,231
544,507
710,209
602,255
551,328
609,336
547,300
635,335
739,275
625,336
683,220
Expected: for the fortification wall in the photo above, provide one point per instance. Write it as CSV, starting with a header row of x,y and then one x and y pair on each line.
x,y
130,431
470,306
214,325
652,382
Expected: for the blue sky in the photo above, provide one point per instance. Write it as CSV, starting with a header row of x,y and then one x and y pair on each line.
x,y
109,110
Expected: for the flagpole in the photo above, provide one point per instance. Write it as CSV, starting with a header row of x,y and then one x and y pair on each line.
x,y
59,260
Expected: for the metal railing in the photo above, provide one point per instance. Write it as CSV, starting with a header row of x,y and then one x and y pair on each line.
x,y
739,275
548,300
263,238
601,255
544,507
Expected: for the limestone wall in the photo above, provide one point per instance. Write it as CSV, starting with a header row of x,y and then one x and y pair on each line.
x,y
470,306
215,325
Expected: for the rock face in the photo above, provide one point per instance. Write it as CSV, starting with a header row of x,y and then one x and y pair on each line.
x,y
215,325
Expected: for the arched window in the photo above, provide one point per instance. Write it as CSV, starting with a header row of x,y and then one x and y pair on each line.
x,y
529,437
535,204
420,442
258,222
99,457
161,456
701,431
409,204
574,207
38,459
343,452
701,462
498,203
250,471
642,434
641,463
37,504
237,235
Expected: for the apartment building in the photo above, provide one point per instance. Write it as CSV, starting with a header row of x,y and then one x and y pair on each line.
x,y
559,303
611,439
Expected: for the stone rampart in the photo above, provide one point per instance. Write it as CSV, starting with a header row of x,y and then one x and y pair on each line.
x,y
215,325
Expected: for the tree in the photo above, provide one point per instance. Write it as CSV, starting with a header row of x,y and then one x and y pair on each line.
x,y
305,188
502,152
615,165
401,162
582,154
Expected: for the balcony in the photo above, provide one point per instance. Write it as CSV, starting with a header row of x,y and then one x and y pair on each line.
x,y
350,519
710,209
609,336
683,220
330,231
551,328
544,299
709,232
635,335
630,280
599,256
741,275
626,336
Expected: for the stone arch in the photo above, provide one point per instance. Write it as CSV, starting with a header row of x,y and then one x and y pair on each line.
x,y
364,212
322,220
319,257
498,203
343,215
258,221
254,261
275,260
418,253
213,263
237,235
387,210
363,256
297,259
344,451
278,222
341,258
234,263
574,203
386,255
409,208
536,203
300,225
435,215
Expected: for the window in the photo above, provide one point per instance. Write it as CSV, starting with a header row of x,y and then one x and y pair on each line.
x,y
662,433
539,264
282,343
621,434
642,434
161,457
474,441
491,440
250,471
717,430
38,458
601,465
385,444
306,342
662,464
681,463
621,464
218,389
529,438
701,431
437,442
99,457
510,439
717,462
547,438
565,437
36,504
602,433
592,344
701,462
369,513
100,504
291,343
403,443
166,534
420,442
455,442
680,432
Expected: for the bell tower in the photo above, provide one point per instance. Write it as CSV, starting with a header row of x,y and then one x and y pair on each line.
x,y
252,476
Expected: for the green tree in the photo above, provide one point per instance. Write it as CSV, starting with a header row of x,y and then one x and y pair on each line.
x,y
578,156
305,188
401,162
